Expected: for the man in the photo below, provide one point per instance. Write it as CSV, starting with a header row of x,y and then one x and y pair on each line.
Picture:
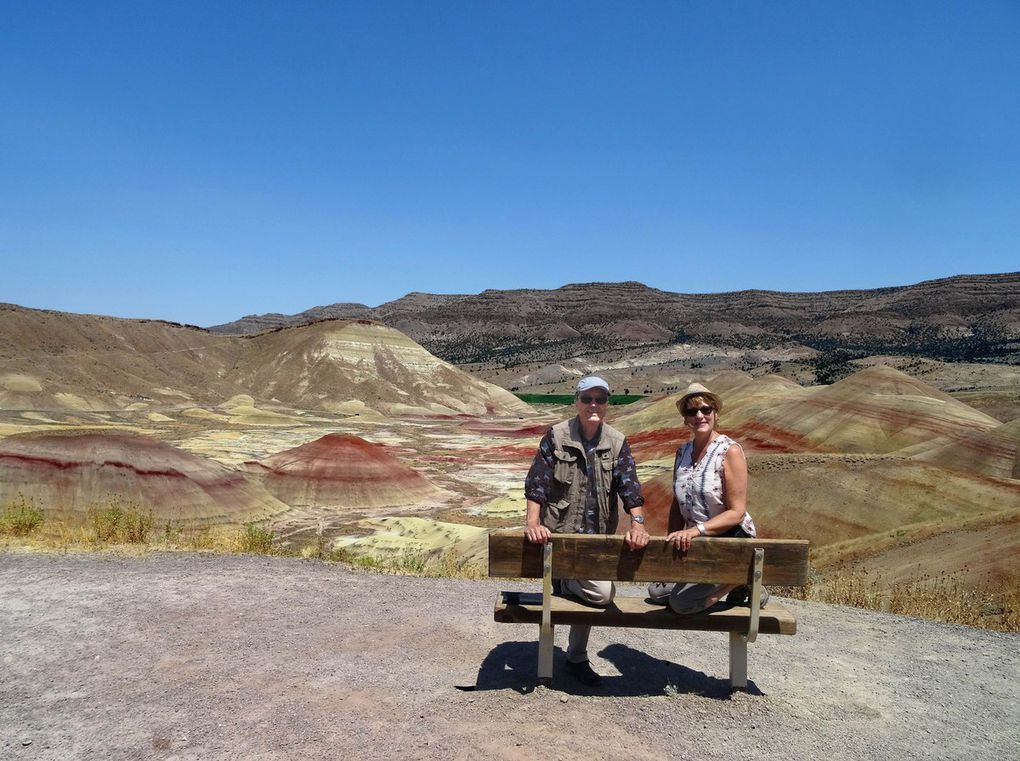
x,y
583,468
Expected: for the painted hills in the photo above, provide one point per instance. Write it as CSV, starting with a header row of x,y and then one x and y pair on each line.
x,y
71,472
879,471
344,472
58,361
74,471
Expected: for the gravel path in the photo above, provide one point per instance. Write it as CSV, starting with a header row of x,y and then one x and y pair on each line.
x,y
192,656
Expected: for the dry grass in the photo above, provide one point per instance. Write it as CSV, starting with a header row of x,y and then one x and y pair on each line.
x,y
123,527
942,598
117,525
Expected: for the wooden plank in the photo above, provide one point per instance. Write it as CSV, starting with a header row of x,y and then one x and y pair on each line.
x,y
583,556
633,612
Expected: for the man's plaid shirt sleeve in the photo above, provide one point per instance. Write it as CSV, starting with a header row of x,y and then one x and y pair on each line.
x,y
627,485
536,485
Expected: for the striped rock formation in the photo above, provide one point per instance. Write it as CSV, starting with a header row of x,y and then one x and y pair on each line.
x,y
874,452
993,453
67,474
340,471
354,365
878,410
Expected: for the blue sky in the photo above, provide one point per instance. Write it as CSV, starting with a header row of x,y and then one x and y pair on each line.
x,y
202,161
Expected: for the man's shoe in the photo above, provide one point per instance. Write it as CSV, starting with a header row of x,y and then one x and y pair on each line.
x,y
584,673
742,596
738,596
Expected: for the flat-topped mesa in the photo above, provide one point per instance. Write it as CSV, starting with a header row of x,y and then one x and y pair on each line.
x,y
972,317
345,471
260,323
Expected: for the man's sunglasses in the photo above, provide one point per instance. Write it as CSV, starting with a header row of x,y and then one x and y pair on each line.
x,y
587,399
706,411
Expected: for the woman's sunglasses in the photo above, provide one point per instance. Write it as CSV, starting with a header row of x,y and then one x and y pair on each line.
x,y
706,411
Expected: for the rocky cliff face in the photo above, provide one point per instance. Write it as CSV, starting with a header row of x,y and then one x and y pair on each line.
x,y
964,318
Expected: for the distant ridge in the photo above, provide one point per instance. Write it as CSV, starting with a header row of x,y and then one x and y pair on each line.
x,y
973,318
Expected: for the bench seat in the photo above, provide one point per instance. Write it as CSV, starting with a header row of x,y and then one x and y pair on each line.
x,y
637,613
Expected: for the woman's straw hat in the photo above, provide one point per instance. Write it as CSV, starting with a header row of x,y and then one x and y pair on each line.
x,y
696,389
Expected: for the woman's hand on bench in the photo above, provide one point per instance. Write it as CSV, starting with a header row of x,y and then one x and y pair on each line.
x,y
682,539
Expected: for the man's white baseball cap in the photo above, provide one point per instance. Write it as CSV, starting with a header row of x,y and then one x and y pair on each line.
x,y
591,381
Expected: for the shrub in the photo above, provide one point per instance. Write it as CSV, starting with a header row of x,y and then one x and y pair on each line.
x,y
345,555
171,532
118,524
256,539
449,564
21,518
410,562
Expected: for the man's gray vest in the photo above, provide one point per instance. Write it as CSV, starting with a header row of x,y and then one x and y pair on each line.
x,y
564,511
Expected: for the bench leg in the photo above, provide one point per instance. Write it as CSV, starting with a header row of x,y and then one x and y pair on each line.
x,y
738,662
545,654
545,629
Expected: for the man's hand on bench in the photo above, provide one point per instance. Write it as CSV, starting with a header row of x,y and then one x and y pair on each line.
x,y
537,534
637,537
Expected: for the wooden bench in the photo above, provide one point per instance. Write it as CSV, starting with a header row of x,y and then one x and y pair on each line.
x,y
753,562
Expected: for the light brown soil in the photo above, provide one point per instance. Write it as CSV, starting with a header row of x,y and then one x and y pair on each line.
x,y
191,656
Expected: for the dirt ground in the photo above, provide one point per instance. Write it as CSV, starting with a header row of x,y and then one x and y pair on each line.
x,y
192,656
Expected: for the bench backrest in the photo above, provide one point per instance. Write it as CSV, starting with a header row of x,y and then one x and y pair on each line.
x,y
586,556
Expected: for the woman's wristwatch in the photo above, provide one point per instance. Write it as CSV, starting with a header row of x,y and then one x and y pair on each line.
x,y
701,528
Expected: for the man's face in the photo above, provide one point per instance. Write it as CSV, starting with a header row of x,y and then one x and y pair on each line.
x,y
592,405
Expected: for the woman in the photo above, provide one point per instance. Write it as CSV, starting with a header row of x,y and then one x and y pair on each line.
x,y
709,499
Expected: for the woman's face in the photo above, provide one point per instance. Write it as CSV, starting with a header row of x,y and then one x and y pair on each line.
x,y
703,417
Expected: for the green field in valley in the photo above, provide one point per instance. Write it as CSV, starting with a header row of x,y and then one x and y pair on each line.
x,y
569,398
